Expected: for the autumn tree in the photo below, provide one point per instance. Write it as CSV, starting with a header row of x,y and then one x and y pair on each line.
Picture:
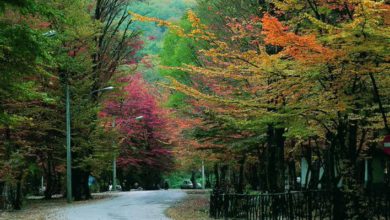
x,y
26,81
114,45
292,82
44,49
144,153
102,53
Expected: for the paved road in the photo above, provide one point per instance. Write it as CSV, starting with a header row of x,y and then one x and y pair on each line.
x,y
136,205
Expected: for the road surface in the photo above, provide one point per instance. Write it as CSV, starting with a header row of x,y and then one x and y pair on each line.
x,y
135,205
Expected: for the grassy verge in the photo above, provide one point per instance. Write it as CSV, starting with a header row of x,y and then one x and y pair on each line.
x,y
41,209
36,210
195,206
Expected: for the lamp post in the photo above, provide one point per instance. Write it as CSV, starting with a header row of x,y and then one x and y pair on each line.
x,y
68,152
114,160
203,178
68,143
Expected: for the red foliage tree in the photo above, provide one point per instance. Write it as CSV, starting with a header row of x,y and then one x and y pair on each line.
x,y
144,142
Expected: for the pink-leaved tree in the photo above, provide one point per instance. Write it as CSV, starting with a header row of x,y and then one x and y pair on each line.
x,y
144,145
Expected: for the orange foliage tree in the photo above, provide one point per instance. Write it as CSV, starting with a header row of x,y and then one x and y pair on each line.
x,y
303,79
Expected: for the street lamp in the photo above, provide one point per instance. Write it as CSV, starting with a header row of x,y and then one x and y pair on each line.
x,y
50,33
68,150
114,160
139,117
104,89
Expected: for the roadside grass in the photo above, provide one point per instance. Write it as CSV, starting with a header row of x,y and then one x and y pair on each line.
x,y
41,209
194,206
36,210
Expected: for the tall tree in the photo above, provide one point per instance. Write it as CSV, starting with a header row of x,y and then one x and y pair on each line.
x,y
292,83
24,74
145,147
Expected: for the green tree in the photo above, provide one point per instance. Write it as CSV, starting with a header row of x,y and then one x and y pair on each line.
x,y
25,64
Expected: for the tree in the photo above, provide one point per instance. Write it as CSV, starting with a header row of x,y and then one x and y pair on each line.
x,y
45,46
114,44
144,146
101,52
292,83
25,76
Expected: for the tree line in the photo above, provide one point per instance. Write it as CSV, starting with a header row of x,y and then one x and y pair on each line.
x,y
279,85
46,46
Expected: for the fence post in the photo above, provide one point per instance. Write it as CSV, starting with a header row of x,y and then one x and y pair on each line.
x,y
338,205
225,206
212,205
290,205
247,206
309,206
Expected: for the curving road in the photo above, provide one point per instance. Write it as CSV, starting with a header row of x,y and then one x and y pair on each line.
x,y
136,205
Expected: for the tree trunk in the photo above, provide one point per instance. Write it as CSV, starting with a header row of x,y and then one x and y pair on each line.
x,y
280,168
275,159
217,180
76,184
292,174
240,187
271,169
49,179
17,194
87,192
193,179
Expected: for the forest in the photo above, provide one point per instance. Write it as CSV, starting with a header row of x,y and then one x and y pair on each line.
x,y
271,96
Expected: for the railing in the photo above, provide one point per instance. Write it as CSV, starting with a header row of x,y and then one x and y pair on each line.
x,y
297,205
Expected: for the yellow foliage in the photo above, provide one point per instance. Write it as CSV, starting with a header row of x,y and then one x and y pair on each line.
x,y
310,75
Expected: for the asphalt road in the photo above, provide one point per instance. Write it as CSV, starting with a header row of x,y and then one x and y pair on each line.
x,y
136,205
